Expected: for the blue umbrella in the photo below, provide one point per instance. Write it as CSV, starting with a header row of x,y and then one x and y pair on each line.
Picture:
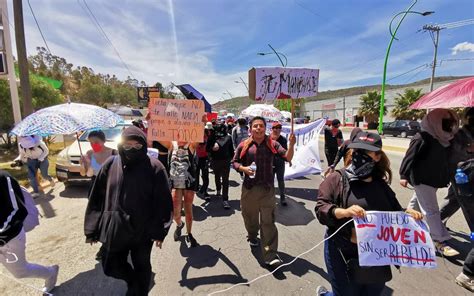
x,y
192,94
66,119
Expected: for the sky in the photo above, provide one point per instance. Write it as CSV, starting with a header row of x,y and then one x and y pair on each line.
x,y
210,44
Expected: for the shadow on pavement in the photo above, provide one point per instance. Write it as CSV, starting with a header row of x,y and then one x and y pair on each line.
x,y
214,208
75,190
44,202
303,193
206,257
91,282
295,213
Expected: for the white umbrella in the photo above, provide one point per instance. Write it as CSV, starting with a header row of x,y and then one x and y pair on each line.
x,y
268,112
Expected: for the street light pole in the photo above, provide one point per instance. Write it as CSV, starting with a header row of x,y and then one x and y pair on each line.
x,y
243,82
382,95
277,54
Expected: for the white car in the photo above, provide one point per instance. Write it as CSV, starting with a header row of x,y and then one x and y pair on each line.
x,y
67,162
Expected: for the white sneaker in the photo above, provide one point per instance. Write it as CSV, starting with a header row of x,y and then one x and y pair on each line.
x,y
445,250
50,282
321,291
275,262
465,281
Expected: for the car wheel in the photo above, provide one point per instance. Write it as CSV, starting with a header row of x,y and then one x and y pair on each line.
x,y
403,134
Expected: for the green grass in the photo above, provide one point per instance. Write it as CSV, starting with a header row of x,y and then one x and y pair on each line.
x,y
20,174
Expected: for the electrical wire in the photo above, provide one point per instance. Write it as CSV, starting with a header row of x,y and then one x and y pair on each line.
x,y
283,265
101,30
409,71
39,28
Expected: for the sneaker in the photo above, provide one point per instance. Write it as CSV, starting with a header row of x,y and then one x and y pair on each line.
x,y
191,240
52,183
321,290
253,242
207,197
465,281
445,250
283,202
177,232
35,195
50,282
275,262
226,204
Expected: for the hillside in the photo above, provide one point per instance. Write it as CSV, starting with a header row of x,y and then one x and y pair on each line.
x,y
237,104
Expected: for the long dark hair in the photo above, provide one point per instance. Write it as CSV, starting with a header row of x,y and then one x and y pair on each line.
x,y
382,168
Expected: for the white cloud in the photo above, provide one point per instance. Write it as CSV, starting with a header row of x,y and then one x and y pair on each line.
x,y
463,46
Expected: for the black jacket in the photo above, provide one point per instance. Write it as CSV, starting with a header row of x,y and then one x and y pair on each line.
x,y
12,209
144,195
425,162
226,149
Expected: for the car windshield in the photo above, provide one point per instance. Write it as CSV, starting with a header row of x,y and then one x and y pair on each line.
x,y
111,134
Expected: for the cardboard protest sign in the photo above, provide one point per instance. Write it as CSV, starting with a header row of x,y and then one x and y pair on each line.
x,y
176,120
270,83
394,238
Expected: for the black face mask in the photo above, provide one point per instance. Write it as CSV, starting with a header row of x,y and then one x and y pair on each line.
x,y
362,165
447,124
131,156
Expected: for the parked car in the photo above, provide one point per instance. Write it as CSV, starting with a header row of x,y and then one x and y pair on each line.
x,y
401,128
67,162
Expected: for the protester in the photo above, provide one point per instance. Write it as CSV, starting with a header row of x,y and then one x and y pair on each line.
x,y
279,163
342,152
221,150
425,167
240,133
129,208
163,152
362,186
183,181
466,278
258,192
203,164
34,152
13,213
92,161
460,150
332,140
230,122
139,123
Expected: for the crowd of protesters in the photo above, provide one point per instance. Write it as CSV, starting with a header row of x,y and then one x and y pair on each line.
x,y
135,197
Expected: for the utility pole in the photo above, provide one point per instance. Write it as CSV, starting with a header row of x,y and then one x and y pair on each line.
x,y
344,111
22,59
434,33
10,65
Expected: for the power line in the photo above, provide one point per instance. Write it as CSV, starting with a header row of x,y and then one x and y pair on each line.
x,y
95,21
39,28
409,71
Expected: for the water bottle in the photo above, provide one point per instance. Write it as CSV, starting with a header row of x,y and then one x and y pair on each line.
x,y
462,183
253,167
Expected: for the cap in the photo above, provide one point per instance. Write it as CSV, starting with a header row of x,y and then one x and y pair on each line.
x,y
366,141
335,122
275,124
208,125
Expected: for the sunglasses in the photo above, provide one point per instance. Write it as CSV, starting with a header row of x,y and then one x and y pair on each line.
x,y
130,147
277,127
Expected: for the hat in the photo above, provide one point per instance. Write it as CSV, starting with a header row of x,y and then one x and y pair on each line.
x,y
366,141
275,124
208,125
335,122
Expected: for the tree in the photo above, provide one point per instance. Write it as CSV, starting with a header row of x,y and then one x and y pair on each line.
x,y
403,102
370,108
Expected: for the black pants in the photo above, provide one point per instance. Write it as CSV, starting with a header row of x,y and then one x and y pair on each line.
x,y
330,154
138,277
203,166
468,268
279,171
221,169
451,204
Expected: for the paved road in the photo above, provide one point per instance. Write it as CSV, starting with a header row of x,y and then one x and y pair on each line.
x,y
224,257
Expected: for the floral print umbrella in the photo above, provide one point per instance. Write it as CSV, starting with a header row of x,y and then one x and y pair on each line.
x,y
66,119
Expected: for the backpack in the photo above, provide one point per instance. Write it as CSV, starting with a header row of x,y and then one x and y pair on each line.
x,y
181,163
468,168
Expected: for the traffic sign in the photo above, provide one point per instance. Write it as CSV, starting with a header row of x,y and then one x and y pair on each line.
x,y
145,93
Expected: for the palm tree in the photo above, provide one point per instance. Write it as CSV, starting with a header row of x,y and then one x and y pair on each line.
x,y
403,102
370,108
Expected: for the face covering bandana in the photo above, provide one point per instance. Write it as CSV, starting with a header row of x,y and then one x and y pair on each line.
x,y
362,165
96,147
130,156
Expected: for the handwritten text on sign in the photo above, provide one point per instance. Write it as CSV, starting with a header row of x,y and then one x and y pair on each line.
x,y
394,238
269,83
176,120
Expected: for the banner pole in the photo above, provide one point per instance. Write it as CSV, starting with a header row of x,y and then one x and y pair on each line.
x,y
292,114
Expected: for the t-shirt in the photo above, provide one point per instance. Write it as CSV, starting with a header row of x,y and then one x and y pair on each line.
x,y
330,141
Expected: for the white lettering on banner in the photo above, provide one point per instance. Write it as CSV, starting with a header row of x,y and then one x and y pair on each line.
x,y
306,160
394,238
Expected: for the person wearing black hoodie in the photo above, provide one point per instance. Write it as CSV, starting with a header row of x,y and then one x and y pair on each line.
x,y
342,152
129,208
221,150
